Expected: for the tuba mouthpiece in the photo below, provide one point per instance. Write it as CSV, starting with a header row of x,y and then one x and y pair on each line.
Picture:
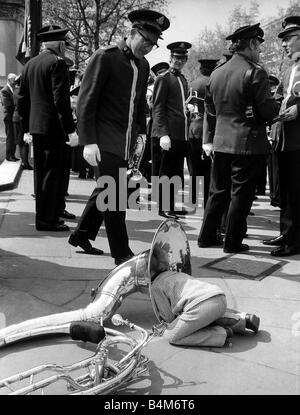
x,y
117,320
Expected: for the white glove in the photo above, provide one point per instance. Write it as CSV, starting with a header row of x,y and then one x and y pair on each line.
x,y
207,148
165,142
290,113
73,140
91,154
27,138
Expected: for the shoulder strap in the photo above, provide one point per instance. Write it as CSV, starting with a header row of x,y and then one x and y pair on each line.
x,y
247,85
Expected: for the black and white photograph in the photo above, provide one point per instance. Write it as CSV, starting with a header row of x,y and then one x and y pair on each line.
x,y
150,200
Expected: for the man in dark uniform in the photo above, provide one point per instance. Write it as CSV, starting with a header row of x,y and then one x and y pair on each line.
x,y
238,103
170,124
158,69
198,162
111,113
44,105
151,155
7,95
288,144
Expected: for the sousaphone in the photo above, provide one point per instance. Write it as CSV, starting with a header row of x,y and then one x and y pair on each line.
x,y
100,374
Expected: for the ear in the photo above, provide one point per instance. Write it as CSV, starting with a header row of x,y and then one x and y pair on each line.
x,y
133,32
252,44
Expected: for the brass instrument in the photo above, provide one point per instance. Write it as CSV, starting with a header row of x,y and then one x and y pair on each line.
x,y
134,161
102,375
296,89
194,100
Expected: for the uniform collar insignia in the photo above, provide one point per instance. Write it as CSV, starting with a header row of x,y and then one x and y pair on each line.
x,y
175,71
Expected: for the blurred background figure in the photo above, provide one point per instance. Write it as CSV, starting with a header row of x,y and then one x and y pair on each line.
x,y
79,164
7,99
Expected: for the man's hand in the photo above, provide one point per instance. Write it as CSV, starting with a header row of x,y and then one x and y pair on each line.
x,y
73,140
91,154
27,138
290,113
207,148
165,142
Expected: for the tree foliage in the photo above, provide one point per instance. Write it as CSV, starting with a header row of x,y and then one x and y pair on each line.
x,y
211,43
94,23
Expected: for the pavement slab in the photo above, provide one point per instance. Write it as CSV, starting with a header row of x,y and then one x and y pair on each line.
x,y
41,274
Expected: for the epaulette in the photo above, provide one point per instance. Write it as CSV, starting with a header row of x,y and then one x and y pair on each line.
x,y
163,74
255,65
219,65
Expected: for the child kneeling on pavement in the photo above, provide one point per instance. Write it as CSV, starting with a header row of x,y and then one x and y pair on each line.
x,y
195,311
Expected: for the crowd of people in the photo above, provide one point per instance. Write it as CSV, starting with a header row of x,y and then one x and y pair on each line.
x,y
229,124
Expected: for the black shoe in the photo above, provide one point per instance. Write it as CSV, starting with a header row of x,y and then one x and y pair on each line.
x,y
26,166
252,322
57,227
85,244
218,241
236,249
279,240
182,212
168,214
285,250
119,261
81,176
12,159
67,215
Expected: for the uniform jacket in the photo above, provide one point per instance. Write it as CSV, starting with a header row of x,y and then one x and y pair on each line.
x,y
196,124
288,133
225,121
168,106
175,292
44,100
8,103
111,107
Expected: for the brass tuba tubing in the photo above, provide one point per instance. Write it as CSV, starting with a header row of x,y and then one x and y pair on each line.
x,y
95,385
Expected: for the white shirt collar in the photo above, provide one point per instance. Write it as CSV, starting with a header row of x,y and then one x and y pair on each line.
x,y
9,86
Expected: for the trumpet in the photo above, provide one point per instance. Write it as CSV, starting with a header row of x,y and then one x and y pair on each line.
x,y
194,100
133,172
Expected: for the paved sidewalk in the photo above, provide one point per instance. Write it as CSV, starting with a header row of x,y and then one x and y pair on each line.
x,y
40,274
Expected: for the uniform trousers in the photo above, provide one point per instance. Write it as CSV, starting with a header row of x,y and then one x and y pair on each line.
x,y
67,162
156,152
236,174
48,151
289,183
114,220
204,324
10,139
172,164
199,166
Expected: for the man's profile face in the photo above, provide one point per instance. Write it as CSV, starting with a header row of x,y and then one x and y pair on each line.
x,y
291,43
255,46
